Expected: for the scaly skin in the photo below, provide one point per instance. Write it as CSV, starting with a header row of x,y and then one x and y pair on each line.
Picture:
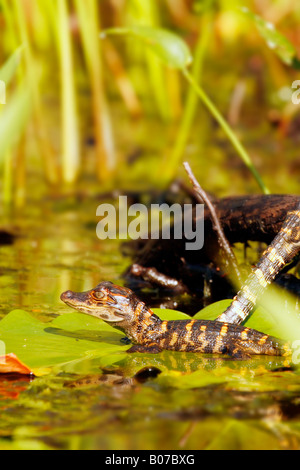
x,y
280,252
120,308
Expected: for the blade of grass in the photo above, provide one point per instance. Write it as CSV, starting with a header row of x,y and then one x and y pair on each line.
x,y
226,128
8,70
70,140
88,15
7,73
171,166
9,24
173,51
7,179
32,77
13,120
147,13
122,79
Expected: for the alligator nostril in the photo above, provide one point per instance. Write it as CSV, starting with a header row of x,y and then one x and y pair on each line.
x,y
66,295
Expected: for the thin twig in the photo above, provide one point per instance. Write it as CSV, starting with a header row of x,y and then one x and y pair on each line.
x,y
202,197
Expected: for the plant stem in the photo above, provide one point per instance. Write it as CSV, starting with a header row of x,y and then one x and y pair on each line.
x,y
33,84
71,157
147,13
89,21
226,128
7,179
191,104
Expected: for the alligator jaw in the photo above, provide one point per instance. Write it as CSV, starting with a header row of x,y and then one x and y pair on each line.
x,y
80,301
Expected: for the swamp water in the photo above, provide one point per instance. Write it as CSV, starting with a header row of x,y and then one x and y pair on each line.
x,y
88,394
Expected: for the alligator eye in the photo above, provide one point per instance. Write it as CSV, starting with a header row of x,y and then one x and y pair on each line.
x,y
98,295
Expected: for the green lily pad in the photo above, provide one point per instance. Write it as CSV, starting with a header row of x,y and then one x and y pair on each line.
x,y
67,338
168,314
72,337
276,315
211,312
261,319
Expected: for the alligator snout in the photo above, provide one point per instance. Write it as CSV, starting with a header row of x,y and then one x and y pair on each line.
x,y
66,295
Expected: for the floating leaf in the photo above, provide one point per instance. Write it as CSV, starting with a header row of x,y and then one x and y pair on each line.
x,y
168,314
74,340
274,40
70,337
169,47
261,319
211,312
274,316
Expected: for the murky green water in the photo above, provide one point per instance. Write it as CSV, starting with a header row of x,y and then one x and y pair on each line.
x,y
193,403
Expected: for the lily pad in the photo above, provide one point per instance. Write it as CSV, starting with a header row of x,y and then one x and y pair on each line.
x,y
69,338
261,319
73,339
276,315
168,314
211,312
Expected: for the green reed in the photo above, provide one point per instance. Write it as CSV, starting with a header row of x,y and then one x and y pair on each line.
x,y
190,108
62,54
89,21
52,54
70,137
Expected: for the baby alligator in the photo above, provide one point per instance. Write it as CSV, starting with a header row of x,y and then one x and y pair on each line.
x,y
119,307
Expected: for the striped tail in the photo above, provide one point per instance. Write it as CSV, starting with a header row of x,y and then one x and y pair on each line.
x,y
282,250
